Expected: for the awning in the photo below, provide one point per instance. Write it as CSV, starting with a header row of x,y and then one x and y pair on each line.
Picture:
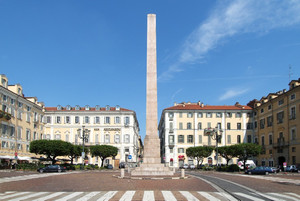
x,y
7,157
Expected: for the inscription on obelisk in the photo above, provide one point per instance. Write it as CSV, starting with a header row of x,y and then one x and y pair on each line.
x,y
151,161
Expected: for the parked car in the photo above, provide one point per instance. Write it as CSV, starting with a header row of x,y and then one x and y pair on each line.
x,y
192,166
185,166
271,169
52,168
122,165
110,166
291,168
258,170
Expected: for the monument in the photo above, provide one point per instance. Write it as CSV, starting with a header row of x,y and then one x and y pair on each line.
x,y
151,161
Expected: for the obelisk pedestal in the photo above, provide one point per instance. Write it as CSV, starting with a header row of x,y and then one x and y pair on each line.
x,y
151,161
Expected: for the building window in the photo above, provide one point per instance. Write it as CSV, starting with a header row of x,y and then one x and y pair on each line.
x,y
269,107
107,120
218,114
97,120
68,107
87,107
262,140
208,124
28,117
58,121
199,126
171,126
127,120
228,114
293,149
48,119
28,135
180,126
293,134
68,120
255,124
293,96
294,159
171,139
57,136
180,150
280,116
229,139
67,137
219,125
293,113
228,126
239,126
171,114
19,133
77,107
107,108
200,114
262,123
200,139
87,119
190,115
270,139
127,138
117,138
76,119
189,126
239,139
117,120
180,138
209,115
107,138
249,139
238,115
262,110
269,121
280,102
190,139
249,126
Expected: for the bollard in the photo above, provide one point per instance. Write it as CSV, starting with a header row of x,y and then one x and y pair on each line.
x,y
122,172
182,172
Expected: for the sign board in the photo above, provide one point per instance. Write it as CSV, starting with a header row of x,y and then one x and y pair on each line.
x,y
129,157
82,154
284,164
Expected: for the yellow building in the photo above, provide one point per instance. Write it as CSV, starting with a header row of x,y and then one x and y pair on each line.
x,y
182,126
21,122
277,119
114,126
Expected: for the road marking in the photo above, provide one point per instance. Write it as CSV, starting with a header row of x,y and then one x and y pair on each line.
x,y
72,195
249,196
88,196
283,196
294,194
127,196
208,196
188,196
226,195
13,195
148,196
49,196
168,195
29,196
107,196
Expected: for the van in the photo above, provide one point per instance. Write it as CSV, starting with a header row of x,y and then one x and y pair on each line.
x,y
249,164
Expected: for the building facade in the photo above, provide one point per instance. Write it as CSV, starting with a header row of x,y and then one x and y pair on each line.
x,y
182,126
277,119
21,122
114,126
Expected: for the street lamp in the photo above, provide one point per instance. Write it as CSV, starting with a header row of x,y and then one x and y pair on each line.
x,y
85,137
213,133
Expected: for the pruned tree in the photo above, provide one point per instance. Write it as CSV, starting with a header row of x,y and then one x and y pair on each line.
x,y
227,152
50,148
103,151
199,153
76,151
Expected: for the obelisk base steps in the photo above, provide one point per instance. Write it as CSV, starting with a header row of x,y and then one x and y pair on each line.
x,y
152,170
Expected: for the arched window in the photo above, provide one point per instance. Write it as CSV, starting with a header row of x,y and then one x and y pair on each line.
x,y
107,138
117,138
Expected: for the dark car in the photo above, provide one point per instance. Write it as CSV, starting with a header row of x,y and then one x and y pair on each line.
x,y
122,165
271,169
258,170
52,168
110,166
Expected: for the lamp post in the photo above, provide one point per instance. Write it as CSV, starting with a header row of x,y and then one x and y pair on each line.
x,y
84,138
213,133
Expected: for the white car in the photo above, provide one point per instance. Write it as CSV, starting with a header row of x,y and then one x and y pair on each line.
x,y
192,166
185,166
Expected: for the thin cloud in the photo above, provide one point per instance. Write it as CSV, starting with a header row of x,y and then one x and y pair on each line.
x,y
231,93
230,19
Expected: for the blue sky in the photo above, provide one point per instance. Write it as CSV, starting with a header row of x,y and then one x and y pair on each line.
x,y
94,52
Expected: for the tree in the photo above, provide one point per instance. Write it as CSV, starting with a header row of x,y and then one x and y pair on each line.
x,y
103,151
199,153
50,148
247,150
76,151
227,152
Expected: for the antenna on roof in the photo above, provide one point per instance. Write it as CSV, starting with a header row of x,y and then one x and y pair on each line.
x,y
290,72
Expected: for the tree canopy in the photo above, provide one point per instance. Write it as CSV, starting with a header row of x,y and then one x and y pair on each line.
x,y
227,152
50,148
199,153
76,151
103,151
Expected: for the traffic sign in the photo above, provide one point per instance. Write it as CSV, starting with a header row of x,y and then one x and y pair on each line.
x,y
129,157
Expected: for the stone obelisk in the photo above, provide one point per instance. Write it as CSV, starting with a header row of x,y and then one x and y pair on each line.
x,y
151,161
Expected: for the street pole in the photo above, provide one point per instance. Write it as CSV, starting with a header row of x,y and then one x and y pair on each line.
x,y
83,139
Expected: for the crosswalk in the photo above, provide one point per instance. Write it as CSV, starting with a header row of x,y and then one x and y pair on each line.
x,y
142,195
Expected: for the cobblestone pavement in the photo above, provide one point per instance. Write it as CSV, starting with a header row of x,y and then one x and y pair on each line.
x,y
105,185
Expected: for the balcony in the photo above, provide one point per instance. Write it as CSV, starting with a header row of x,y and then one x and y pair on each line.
x,y
280,143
